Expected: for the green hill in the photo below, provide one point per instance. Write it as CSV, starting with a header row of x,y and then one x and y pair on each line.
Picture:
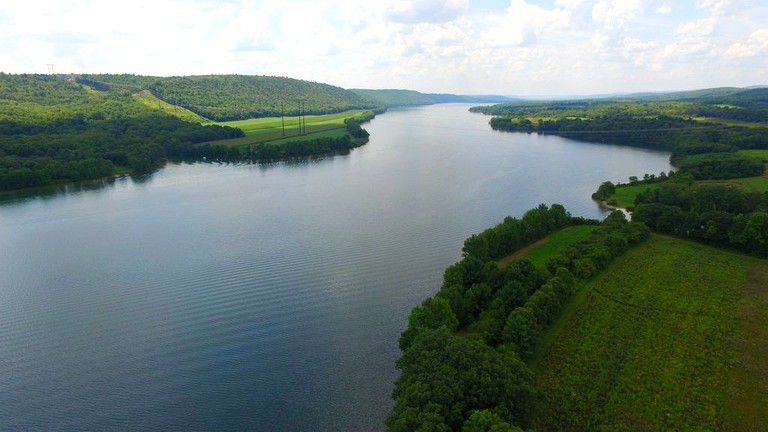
x,y
53,129
238,97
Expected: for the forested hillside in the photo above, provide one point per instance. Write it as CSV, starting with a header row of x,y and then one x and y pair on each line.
x,y
53,129
238,97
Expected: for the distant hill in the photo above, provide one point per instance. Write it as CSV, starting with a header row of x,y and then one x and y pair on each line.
x,y
398,97
238,97
728,103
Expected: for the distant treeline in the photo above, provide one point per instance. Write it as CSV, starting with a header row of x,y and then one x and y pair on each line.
x,y
401,98
464,349
718,215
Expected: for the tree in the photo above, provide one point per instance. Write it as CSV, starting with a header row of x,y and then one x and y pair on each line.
x,y
434,313
487,421
520,330
450,376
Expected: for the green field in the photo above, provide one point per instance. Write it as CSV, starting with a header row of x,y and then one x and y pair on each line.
x,y
270,129
625,194
557,242
760,154
258,126
751,184
541,251
653,345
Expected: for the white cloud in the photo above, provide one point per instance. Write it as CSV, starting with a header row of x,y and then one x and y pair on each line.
x,y
565,46
426,11
692,38
613,14
756,44
524,24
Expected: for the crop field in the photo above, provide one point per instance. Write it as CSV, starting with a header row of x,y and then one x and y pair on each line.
x,y
654,345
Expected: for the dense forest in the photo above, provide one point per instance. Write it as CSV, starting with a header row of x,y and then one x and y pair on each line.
x,y
238,97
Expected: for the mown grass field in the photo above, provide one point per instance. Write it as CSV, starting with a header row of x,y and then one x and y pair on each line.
x,y
257,126
541,251
270,129
625,194
664,339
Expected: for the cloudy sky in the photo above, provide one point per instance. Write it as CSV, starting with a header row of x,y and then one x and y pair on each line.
x,y
514,47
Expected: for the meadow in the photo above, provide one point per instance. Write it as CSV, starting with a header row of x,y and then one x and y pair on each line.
x,y
652,345
270,129
540,252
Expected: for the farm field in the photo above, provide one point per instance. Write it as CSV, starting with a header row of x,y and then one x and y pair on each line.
x,y
654,345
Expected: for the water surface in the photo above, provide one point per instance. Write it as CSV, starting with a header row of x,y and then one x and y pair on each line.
x,y
267,298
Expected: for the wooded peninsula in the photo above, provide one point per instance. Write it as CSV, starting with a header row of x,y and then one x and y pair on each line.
x,y
556,323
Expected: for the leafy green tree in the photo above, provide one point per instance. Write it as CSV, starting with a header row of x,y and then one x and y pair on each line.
x,y
520,330
434,313
450,376
487,421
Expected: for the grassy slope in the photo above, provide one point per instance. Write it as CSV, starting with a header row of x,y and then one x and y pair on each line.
x,y
148,99
651,344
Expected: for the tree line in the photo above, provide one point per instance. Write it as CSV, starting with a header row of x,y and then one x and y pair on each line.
x,y
464,350
719,215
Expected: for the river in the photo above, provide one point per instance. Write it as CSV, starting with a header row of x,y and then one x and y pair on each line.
x,y
266,298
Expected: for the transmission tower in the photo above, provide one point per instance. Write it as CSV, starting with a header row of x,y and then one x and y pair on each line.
x,y
50,68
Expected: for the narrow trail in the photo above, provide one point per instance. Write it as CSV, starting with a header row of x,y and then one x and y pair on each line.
x,y
504,262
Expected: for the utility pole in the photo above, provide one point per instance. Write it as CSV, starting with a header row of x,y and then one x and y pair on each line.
x,y
282,115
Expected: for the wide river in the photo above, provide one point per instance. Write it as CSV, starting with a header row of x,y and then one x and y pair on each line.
x,y
265,298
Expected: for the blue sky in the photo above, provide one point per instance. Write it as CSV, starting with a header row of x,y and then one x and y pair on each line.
x,y
514,47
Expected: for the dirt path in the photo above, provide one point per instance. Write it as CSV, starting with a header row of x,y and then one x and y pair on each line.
x,y
520,252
